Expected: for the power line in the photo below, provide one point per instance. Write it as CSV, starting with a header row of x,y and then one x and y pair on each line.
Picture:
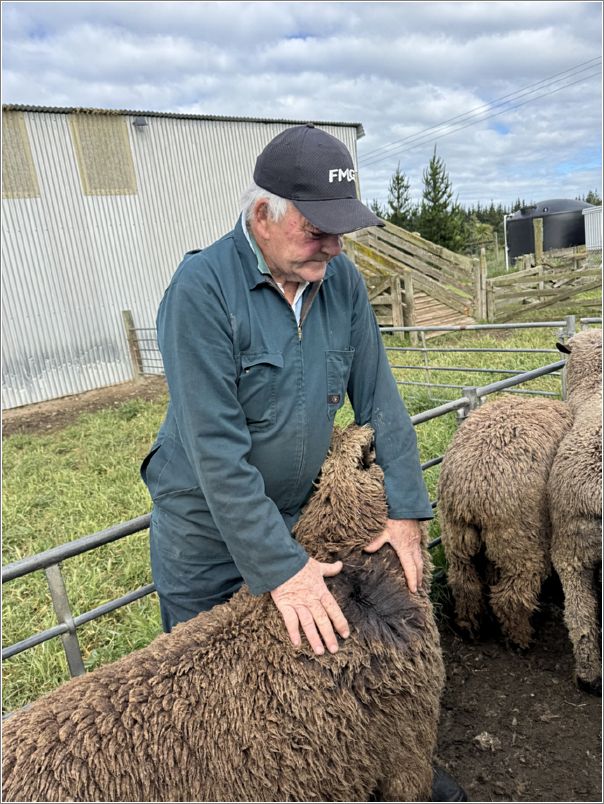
x,y
430,138
530,88
477,115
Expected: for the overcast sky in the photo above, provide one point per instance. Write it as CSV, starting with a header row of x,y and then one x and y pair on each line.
x,y
509,92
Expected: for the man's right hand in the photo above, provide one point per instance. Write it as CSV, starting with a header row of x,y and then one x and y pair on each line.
x,y
305,600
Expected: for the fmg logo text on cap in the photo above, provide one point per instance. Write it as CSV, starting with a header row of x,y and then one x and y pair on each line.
x,y
337,174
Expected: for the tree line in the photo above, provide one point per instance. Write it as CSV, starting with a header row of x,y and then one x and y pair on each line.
x,y
439,217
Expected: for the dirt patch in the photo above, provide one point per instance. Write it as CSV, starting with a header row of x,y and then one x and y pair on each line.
x,y
514,727
48,416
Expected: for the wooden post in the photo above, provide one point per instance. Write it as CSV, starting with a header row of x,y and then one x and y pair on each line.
x,y
538,232
477,295
135,355
496,236
396,301
409,317
490,301
482,273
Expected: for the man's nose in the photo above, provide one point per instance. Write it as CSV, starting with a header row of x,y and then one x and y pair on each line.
x,y
332,245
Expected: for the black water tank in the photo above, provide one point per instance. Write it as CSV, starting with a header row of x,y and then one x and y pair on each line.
x,y
563,226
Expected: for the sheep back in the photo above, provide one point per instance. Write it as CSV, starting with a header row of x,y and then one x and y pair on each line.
x,y
496,467
575,481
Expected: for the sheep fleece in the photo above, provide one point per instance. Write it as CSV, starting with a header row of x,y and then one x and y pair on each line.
x,y
492,497
575,501
226,709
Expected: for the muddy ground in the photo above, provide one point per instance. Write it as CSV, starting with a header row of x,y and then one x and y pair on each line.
x,y
513,728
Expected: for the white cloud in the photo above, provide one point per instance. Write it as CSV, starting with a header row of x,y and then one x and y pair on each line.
x,y
397,68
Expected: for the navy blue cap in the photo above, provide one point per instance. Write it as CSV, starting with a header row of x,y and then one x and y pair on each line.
x,y
316,173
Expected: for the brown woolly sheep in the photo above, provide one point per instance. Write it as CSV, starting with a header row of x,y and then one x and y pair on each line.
x,y
575,501
493,511
226,709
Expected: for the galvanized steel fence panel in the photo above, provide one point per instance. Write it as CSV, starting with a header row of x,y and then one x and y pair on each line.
x,y
50,560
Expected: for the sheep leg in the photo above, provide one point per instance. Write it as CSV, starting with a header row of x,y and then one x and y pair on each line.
x,y
515,597
462,545
581,618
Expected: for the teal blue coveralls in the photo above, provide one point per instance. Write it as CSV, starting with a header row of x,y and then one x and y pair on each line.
x,y
253,397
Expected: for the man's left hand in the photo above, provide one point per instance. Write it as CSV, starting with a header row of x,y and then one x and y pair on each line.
x,y
405,536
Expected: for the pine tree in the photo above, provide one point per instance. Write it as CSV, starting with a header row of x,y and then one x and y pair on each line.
x,y
441,219
400,208
378,209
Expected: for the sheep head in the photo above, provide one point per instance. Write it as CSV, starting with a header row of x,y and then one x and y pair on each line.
x,y
348,507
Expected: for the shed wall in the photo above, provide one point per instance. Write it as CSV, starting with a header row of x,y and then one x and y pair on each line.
x,y
73,262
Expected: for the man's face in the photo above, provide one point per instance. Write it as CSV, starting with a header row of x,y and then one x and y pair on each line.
x,y
293,248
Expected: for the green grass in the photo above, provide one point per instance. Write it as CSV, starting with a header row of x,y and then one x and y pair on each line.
x,y
56,488
63,485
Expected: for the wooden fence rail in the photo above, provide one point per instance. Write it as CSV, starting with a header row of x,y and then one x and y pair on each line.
x,y
431,279
547,278
438,285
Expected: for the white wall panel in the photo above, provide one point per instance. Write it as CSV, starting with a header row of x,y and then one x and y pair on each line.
x,y
592,217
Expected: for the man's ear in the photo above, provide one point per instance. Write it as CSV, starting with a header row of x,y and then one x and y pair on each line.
x,y
562,347
260,217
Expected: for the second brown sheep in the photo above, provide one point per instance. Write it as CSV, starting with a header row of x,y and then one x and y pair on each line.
x,y
493,511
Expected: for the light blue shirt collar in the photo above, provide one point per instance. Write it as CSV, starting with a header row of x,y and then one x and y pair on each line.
x,y
264,269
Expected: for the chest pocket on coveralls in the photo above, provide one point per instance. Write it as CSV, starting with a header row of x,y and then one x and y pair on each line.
x,y
339,365
257,390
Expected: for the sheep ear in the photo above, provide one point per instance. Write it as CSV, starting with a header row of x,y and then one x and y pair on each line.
x,y
562,347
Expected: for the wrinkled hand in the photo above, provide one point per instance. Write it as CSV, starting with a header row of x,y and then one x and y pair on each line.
x,y
305,600
405,536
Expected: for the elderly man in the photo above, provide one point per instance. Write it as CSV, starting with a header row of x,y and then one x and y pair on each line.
x,y
262,336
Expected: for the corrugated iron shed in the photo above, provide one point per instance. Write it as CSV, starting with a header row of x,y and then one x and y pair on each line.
x,y
99,207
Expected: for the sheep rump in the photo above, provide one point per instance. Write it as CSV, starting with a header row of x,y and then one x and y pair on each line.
x,y
225,709
493,511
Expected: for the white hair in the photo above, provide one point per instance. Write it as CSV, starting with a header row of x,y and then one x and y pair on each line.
x,y
277,206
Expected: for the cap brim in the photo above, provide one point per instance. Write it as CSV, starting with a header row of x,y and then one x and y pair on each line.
x,y
338,216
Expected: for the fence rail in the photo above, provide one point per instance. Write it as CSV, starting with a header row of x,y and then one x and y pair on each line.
x,y
543,279
566,328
